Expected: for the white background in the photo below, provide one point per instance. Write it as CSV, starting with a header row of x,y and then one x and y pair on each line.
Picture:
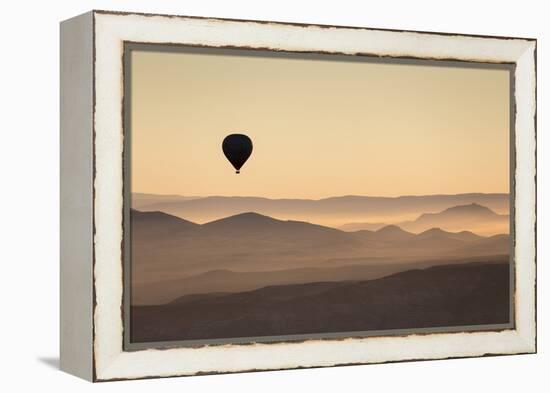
x,y
29,211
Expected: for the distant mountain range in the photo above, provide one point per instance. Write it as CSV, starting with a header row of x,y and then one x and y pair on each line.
x,y
167,251
335,211
141,200
472,217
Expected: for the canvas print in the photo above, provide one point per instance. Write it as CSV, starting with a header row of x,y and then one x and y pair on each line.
x,y
282,196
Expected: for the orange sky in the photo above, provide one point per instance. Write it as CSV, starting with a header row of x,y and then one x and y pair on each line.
x,y
320,128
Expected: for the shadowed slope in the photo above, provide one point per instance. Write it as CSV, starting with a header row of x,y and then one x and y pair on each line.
x,y
454,295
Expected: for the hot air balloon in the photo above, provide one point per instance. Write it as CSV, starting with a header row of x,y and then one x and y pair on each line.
x,y
237,148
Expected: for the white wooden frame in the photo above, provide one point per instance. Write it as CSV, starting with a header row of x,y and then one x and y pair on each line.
x,y
92,195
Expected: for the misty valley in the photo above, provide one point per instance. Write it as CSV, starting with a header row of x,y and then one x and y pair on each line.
x,y
249,274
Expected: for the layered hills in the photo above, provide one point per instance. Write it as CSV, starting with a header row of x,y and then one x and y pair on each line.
x,y
172,256
334,211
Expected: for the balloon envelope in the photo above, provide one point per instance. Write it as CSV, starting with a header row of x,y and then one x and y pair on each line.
x,y
237,148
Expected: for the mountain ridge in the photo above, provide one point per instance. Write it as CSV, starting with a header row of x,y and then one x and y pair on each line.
x,y
348,196
332,211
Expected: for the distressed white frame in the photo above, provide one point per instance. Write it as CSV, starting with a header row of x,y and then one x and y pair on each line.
x,y
111,30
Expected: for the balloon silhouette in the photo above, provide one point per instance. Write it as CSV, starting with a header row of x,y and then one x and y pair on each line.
x,y
237,148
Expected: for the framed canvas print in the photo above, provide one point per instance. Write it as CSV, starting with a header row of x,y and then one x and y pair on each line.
x,y
246,195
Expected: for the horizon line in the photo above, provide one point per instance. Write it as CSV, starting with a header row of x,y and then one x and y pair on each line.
x,y
320,199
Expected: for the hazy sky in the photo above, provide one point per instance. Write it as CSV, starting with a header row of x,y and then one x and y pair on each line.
x,y
320,128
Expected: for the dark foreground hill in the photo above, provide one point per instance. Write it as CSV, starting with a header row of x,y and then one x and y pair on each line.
x,y
452,295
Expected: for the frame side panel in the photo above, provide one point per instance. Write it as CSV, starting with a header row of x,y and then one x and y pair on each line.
x,y
76,191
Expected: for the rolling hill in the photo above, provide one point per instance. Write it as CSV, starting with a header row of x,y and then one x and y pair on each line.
x,y
254,226
151,225
391,233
